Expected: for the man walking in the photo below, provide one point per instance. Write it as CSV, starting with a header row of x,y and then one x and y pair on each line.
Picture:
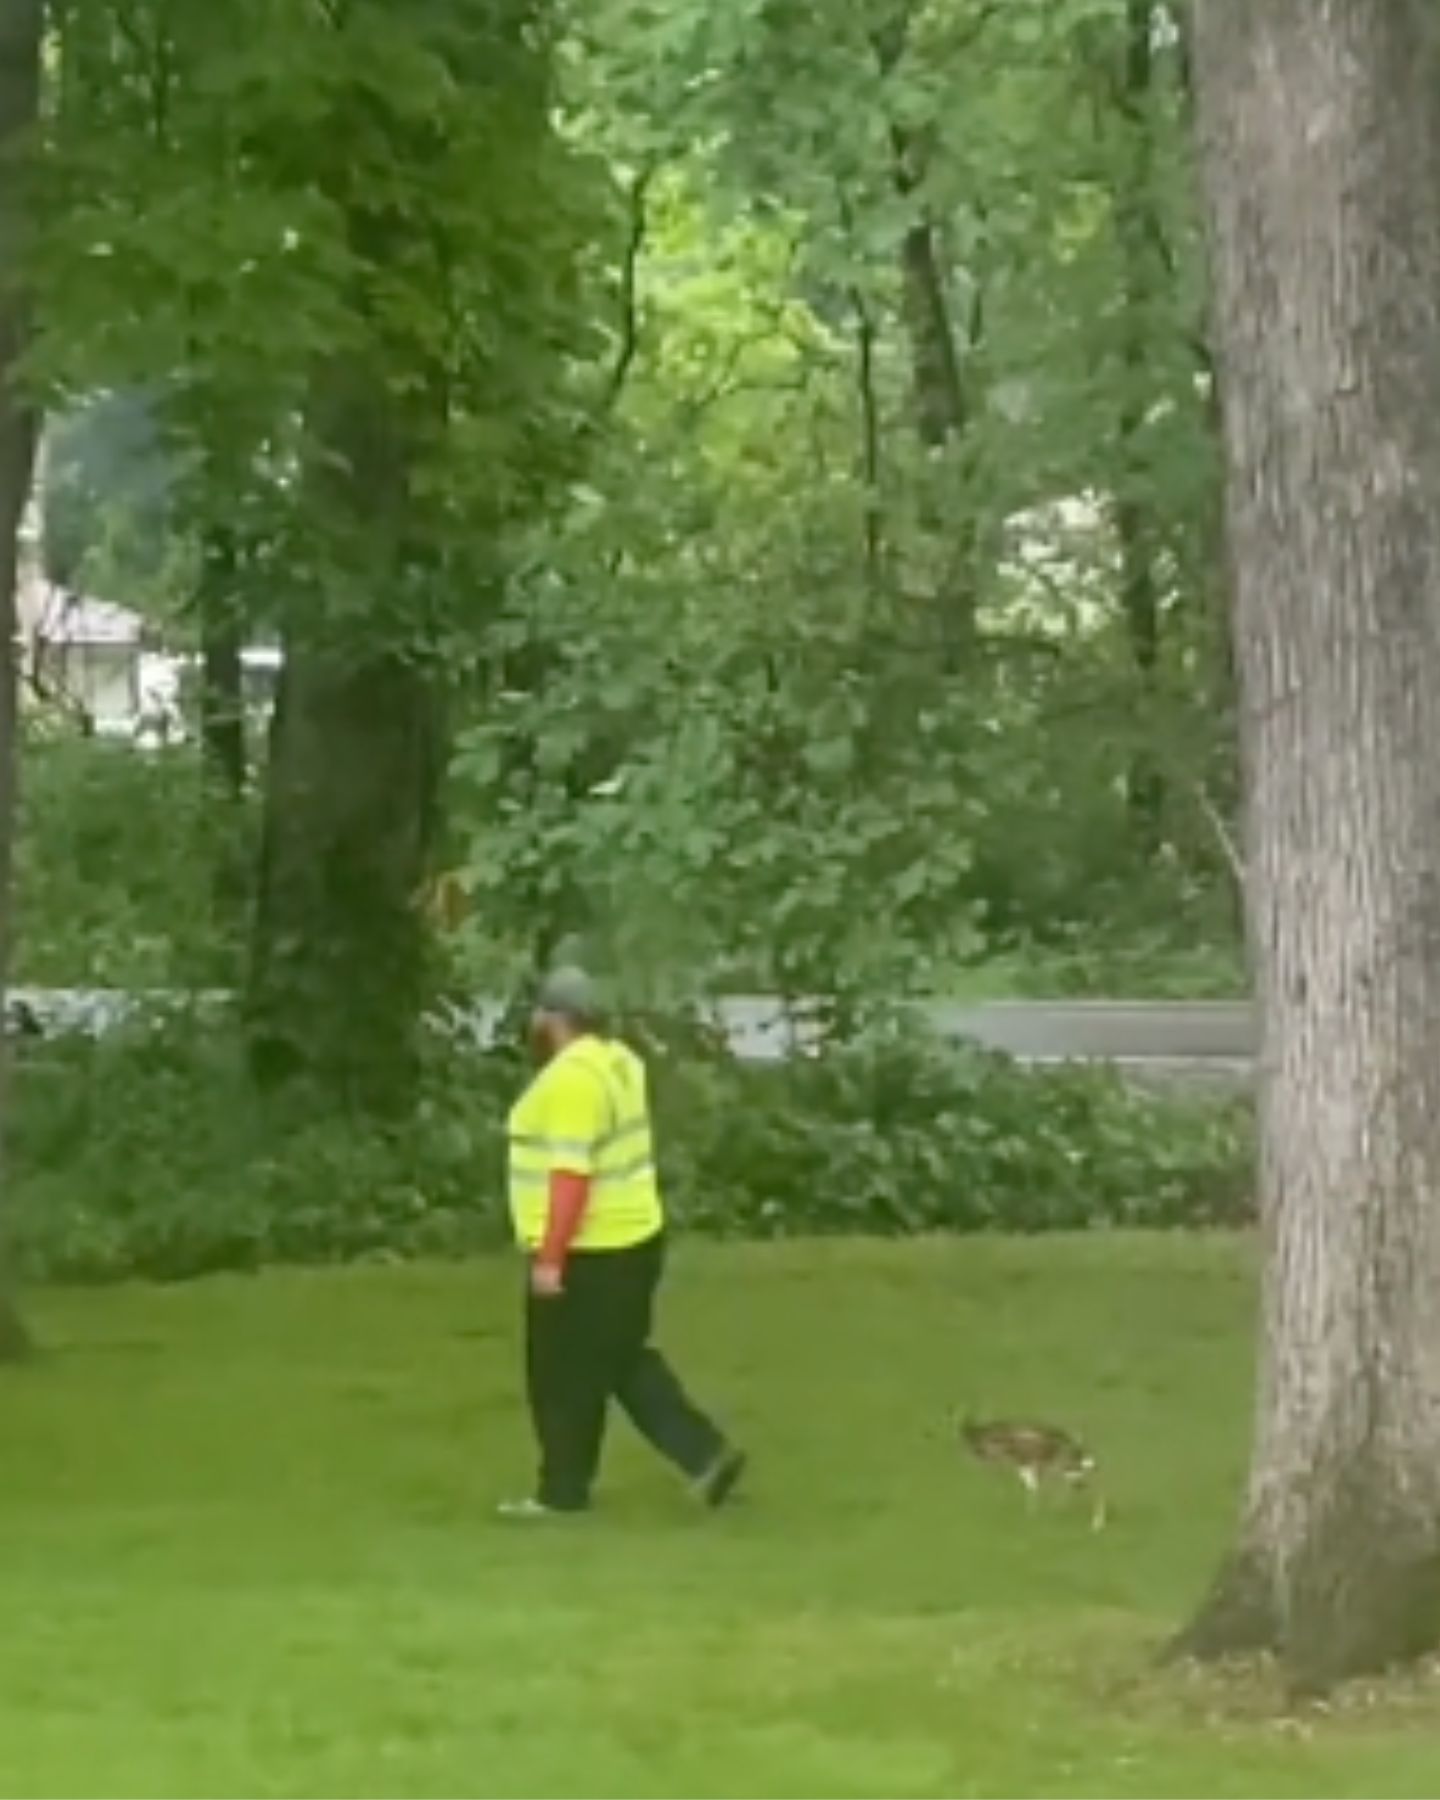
x,y
586,1207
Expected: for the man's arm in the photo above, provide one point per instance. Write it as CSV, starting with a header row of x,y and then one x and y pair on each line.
x,y
577,1121
569,1196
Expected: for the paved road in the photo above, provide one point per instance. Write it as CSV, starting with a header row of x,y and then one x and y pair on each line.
x,y
1055,1030
1191,1044
1189,1041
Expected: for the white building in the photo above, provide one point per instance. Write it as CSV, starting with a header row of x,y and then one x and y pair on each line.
x,y
106,665
81,654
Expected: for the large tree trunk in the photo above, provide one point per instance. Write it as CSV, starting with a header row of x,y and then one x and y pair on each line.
x,y
1320,134
20,31
357,753
339,972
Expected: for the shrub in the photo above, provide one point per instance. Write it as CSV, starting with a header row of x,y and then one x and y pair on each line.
x,y
114,848
145,1153
899,1132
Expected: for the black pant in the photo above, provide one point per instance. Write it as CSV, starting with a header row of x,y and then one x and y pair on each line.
x,y
591,1343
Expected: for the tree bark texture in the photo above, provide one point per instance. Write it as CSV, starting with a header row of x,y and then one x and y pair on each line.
x,y
941,403
338,977
939,390
222,686
940,412
1136,527
871,472
20,33
1319,125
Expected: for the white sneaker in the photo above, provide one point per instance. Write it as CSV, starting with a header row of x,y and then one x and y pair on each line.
x,y
524,1510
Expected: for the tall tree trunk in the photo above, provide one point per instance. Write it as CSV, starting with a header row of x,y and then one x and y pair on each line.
x,y
939,391
940,411
338,974
338,978
224,747
222,690
14,1339
1138,230
1320,136
354,786
20,32
870,469
941,408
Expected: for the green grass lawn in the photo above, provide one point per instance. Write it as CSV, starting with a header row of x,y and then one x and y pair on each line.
x,y
247,1547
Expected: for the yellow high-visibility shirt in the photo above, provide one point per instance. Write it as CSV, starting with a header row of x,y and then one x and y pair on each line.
x,y
587,1111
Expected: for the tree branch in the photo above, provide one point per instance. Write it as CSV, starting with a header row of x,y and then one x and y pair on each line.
x,y
630,288
1224,834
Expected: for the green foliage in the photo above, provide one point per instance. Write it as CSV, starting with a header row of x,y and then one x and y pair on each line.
x,y
1140,964
348,256
118,856
735,729
146,1154
579,363
297,241
697,818
106,489
896,1133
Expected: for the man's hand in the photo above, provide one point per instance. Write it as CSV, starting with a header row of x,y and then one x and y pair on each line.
x,y
569,1196
547,1280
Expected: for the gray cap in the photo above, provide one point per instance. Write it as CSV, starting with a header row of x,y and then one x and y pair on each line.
x,y
569,993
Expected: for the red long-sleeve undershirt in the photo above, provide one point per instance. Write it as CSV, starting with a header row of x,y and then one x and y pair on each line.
x,y
569,1196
